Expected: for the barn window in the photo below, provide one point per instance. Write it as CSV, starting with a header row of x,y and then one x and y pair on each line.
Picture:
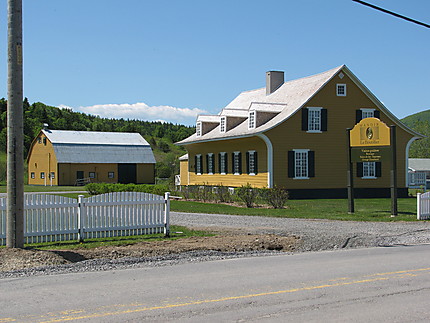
x,y
341,89
32,175
52,175
92,174
42,175
222,163
111,175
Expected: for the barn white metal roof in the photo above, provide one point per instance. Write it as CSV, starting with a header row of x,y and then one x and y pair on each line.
x,y
99,147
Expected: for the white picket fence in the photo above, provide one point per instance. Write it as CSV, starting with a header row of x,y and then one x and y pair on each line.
x,y
423,206
56,218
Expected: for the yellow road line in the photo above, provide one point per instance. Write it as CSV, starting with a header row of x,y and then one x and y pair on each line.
x,y
367,279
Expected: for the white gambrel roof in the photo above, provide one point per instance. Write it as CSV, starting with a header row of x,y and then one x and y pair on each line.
x,y
289,98
419,164
99,147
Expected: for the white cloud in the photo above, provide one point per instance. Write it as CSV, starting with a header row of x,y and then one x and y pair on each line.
x,y
142,111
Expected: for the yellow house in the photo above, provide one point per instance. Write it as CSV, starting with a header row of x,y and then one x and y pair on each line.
x,y
293,135
60,157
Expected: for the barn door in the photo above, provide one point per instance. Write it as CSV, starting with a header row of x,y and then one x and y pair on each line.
x,y
127,173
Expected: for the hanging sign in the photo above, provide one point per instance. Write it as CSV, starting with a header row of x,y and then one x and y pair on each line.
x,y
370,132
370,154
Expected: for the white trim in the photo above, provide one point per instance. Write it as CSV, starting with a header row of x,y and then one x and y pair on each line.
x,y
269,159
249,154
236,153
198,128
252,121
199,156
300,151
210,155
310,125
223,124
223,154
374,169
339,86
367,110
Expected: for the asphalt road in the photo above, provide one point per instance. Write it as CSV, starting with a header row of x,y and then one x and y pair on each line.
x,y
378,284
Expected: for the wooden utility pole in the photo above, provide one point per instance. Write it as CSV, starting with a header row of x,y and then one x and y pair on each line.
x,y
15,133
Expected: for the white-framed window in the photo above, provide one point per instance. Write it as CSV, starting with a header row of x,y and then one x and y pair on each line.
x,y
367,113
210,163
198,129
251,120
199,165
222,124
223,163
314,119
252,162
42,175
301,163
341,89
369,170
33,175
237,163
92,174
111,174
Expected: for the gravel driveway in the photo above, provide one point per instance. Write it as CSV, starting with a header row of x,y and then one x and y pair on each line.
x,y
316,234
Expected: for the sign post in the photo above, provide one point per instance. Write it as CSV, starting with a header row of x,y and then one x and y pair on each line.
x,y
371,140
350,183
393,172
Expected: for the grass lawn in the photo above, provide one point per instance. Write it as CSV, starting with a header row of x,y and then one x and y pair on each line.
x,y
176,232
335,209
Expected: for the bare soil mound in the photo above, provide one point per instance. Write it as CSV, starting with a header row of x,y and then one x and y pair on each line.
x,y
13,259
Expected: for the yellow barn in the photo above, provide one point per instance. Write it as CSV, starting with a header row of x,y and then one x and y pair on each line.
x,y
293,135
61,157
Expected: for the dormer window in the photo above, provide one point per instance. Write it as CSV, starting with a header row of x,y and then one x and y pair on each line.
x,y
198,129
251,120
222,124
341,89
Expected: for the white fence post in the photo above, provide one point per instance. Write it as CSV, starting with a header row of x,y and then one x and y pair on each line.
x,y
81,212
167,214
418,206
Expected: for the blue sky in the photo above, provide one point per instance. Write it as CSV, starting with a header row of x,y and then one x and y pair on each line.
x,y
169,60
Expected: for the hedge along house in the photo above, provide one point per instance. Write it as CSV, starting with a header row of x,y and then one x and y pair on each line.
x,y
293,135
60,157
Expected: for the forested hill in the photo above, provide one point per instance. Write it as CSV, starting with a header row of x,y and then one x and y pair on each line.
x,y
420,122
160,136
36,114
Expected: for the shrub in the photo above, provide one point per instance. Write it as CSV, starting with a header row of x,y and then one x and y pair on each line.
x,y
102,188
276,197
223,194
247,194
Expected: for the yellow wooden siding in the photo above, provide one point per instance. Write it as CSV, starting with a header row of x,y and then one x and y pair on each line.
x,y
228,146
183,170
68,172
42,160
330,146
145,173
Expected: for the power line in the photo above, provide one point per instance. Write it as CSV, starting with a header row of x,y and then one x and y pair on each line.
x,y
392,13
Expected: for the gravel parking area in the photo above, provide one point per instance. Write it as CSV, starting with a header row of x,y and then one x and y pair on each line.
x,y
238,236
315,234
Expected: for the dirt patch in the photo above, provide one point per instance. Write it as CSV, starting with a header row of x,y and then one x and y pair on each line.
x,y
13,259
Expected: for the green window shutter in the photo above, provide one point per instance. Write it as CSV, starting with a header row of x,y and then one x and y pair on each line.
x,y
378,169
323,119
304,119
358,115
377,114
219,163
255,163
291,164
195,164
311,164
232,163
240,163
247,163
207,163
359,169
